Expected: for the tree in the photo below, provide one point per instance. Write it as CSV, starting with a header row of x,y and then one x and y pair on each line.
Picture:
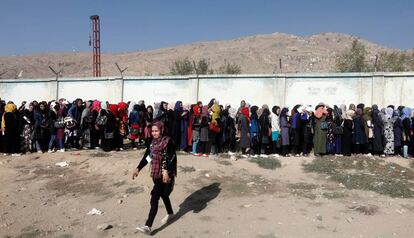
x,y
228,68
182,67
392,62
353,59
203,67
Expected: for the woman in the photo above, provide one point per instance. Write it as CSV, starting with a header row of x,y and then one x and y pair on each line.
x,y
60,132
307,120
398,129
41,128
122,124
110,128
134,125
378,129
148,119
274,120
95,134
389,120
244,131
26,122
254,131
359,138
285,131
369,129
185,117
87,125
406,130
10,129
176,126
265,128
204,132
330,137
297,129
320,130
214,135
348,130
338,128
52,118
163,160
195,122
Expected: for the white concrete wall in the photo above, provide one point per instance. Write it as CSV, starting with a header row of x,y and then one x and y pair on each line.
x,y
280,89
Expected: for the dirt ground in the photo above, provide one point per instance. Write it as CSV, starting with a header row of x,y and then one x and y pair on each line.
x,y
213,197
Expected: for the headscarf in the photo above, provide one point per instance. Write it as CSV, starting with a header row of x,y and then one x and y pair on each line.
x,y
406,113
87,111
123,113
389,112
352,107
178,107
349,114
131,106
96,106
114,109
10,107
367,114
232,112
274,109
284,112
216,112
196,110
253,112
157,147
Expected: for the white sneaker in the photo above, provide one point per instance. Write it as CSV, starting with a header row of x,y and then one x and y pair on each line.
x,y
231,153
264,156
121,149
167,219
40,152
144,229
276,155
255,156
50,151
62,150
16,155
245,156
135,148
369,154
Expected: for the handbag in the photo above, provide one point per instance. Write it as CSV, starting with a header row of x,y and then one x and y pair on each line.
x,y
214,128
109,135
338,130
59,124
101,120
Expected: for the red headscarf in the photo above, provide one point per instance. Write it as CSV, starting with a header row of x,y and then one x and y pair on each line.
x,y
196,110
123,114
96,106
114,109
245,112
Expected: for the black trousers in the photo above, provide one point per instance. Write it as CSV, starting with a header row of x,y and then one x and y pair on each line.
x,y
160,190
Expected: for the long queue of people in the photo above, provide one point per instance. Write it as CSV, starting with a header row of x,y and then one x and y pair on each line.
x,y
208,129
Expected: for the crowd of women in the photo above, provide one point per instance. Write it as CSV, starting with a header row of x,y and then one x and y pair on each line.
x,y
208,129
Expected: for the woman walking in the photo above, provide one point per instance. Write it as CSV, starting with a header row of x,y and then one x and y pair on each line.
x,y
163,160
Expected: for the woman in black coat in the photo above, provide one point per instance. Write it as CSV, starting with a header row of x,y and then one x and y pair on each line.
x,y
348,130
10,129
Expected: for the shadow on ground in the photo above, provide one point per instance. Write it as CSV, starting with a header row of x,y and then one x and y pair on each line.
x,y
196,202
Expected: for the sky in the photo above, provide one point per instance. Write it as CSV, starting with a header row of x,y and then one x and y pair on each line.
x,y
43,26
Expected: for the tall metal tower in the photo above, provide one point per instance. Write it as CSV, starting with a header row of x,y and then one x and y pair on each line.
x,y
96,45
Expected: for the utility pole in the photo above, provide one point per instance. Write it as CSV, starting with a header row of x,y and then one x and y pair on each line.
x,y
57,74
96,45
